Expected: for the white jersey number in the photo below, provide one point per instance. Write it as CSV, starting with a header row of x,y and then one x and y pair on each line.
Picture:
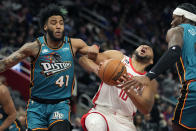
x,y
60,82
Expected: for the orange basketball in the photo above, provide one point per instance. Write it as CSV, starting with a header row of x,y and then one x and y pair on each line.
x,y
111,70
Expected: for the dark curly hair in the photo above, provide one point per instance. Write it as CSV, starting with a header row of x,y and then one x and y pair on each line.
x,y
49,11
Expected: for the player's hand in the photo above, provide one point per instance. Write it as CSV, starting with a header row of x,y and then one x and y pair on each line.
x,y
139,81
122,80
97,68
93,52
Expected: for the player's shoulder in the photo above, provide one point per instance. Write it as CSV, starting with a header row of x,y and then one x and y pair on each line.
x,y
31,48
176,29
173,32
32,45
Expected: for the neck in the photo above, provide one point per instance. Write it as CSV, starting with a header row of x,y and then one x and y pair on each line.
x,y
187,21
51,43
138,66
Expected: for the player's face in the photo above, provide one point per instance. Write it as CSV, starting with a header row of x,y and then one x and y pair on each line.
x,y
176,20
55,27
144,54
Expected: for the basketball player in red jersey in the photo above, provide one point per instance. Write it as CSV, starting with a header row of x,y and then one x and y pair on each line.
x,y
114,108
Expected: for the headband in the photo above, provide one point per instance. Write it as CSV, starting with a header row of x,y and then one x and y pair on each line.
x,y
186,14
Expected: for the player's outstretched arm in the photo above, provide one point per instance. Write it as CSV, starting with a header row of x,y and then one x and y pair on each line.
x,y
8,107
174,39
145,101
28,49
88,65
80,46
92,66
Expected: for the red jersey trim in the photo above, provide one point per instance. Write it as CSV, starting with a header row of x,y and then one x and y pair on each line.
x,y
97,94
130,62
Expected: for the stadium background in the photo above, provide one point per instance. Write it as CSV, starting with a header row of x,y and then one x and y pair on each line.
x,y
113,24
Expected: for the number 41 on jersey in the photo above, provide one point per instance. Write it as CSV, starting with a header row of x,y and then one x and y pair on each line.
x,y
62,80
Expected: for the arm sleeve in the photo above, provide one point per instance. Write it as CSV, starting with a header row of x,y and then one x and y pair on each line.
x,y
169,58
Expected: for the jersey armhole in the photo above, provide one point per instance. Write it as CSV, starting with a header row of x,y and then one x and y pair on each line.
x,y
69,41
34,59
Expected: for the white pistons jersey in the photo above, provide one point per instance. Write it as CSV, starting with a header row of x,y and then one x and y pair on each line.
x,y
114,98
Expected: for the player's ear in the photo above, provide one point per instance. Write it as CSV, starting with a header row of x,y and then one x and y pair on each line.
x,y
45,27
183,19
151,61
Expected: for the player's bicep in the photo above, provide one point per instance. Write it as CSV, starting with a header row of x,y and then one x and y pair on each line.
x,y
29,49
175,37
16,57
79,46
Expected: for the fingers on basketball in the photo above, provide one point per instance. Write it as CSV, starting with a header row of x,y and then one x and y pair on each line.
x,y
111,71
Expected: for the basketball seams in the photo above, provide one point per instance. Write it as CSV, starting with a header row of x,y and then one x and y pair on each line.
x,y
115,70
104,70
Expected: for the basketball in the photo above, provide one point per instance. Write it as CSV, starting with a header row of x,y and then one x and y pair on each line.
x,y
111,70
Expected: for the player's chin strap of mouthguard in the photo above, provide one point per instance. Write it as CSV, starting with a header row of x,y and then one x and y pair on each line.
x,y
185,13
169,58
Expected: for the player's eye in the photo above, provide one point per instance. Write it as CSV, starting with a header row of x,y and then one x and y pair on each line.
x,y
53,22
61,22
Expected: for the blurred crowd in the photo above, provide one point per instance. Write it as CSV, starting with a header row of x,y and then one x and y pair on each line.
x,y
146,19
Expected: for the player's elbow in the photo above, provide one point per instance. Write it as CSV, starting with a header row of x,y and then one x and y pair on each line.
x,y
14,115
146,108
145,111
82,60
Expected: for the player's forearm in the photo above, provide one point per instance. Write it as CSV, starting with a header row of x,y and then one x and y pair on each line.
x,y
142,104
7,63
2,66
12,60
84,50
90,51
8,121
88,64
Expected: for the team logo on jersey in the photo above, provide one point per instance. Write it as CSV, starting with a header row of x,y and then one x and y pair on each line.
x,y
127,61
192,31
52,63
57,115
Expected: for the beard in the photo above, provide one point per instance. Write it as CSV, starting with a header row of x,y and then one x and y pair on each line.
x,y
142,59
51,35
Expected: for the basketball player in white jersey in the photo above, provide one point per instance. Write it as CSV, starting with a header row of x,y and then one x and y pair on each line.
x,y
114,107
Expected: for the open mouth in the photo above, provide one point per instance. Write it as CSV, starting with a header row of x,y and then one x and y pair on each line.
x,y
143,51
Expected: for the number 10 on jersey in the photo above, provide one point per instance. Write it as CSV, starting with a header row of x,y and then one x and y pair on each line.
x,y
62,80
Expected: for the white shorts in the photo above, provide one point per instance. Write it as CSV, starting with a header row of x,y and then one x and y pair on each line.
x,y
112,121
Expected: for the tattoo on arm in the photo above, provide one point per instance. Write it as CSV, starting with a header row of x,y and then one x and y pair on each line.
x,y
29,49
11,60
26,50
